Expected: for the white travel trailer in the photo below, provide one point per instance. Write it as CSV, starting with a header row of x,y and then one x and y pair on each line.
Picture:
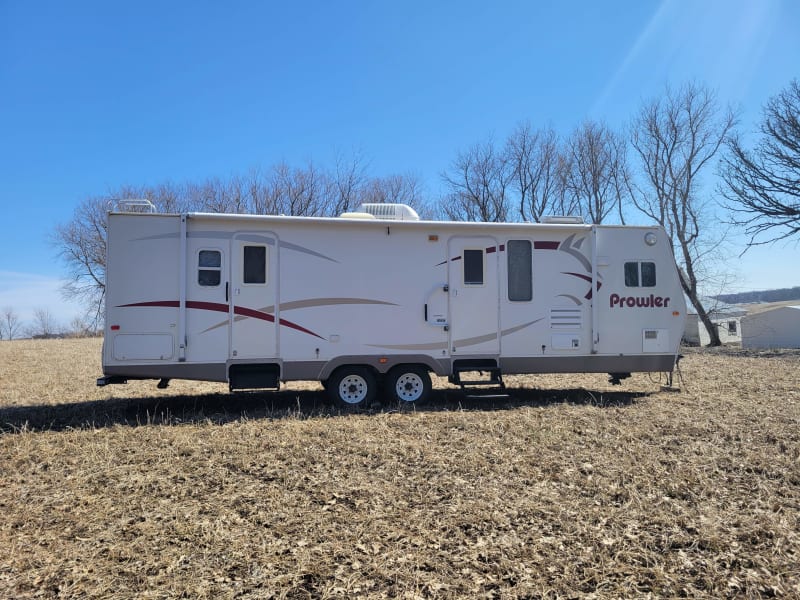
x,y
381,298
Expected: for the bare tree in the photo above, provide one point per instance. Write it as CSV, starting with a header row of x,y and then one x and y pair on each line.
x,y
81,242
535,162
300,191
762,186
404,189
80,327
167,197
479,181
10,325
217,196
44,324
348,182
675,137
597,173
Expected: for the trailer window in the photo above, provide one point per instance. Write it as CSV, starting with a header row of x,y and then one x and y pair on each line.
x,y
640,274
520,272
209,267
255,265
632,274
473,267
648,274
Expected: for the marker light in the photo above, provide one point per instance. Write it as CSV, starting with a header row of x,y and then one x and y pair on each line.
x,y
650,238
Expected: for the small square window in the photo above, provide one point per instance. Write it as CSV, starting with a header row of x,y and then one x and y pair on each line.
x,y
640,274
208,277
209,271
209,258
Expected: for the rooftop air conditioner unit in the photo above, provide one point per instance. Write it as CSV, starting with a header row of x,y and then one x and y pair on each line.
x,y
389,212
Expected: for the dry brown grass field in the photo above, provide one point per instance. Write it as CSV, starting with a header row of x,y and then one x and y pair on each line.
x,y
569,488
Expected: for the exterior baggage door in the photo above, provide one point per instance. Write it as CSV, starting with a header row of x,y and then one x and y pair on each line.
x,y
473,281
253,294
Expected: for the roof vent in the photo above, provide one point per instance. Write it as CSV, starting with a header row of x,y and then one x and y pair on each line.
x,y
356,215
389,212
563,220
132,205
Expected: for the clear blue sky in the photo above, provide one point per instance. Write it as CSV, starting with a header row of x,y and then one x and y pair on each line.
x,y
94,95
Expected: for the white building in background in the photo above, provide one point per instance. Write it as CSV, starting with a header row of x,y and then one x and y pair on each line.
x,y
774,328
725,317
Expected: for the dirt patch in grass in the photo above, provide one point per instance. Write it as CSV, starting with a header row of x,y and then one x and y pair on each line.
x,y
568,488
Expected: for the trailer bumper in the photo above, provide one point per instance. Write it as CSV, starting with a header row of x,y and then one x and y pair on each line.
x,y
111,379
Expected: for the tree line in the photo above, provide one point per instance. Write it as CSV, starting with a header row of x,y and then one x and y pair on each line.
x,y
43,325
780,295
662,167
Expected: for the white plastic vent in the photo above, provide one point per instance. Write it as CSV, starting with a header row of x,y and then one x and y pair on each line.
x,y
565,318
562,220
389,212
655,340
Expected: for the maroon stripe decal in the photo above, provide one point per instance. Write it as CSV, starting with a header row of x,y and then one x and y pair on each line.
x,y
546,245
489,250
444,262
215,306
297,327
589,279
581,275
223,308
162,304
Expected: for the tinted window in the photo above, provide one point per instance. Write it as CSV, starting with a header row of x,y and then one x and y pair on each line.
x,y
210,258
209,263
648,274
632,274
473,267
255,264
520,278
207,277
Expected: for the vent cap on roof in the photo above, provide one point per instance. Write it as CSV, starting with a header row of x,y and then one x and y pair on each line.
x,y
389,212
563,219
132,205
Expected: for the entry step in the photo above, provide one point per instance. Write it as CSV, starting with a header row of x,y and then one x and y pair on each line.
x,y
488,373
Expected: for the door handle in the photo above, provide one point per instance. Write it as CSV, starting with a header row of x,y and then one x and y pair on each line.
x,y
227,284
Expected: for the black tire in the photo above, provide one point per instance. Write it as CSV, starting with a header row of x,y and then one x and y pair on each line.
x,y
352,387
408,383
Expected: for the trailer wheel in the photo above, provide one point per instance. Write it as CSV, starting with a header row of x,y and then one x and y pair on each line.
x,y
352,387
409,383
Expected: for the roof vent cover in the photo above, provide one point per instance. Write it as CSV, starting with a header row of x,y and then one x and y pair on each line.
x,y
389,212
563,220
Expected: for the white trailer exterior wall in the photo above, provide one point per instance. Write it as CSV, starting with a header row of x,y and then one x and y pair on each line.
x,y
183,300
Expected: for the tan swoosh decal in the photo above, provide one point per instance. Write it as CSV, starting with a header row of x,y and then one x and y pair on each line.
x,y
460,343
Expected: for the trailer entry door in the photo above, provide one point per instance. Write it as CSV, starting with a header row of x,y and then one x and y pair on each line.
x,y
254,281
473,281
